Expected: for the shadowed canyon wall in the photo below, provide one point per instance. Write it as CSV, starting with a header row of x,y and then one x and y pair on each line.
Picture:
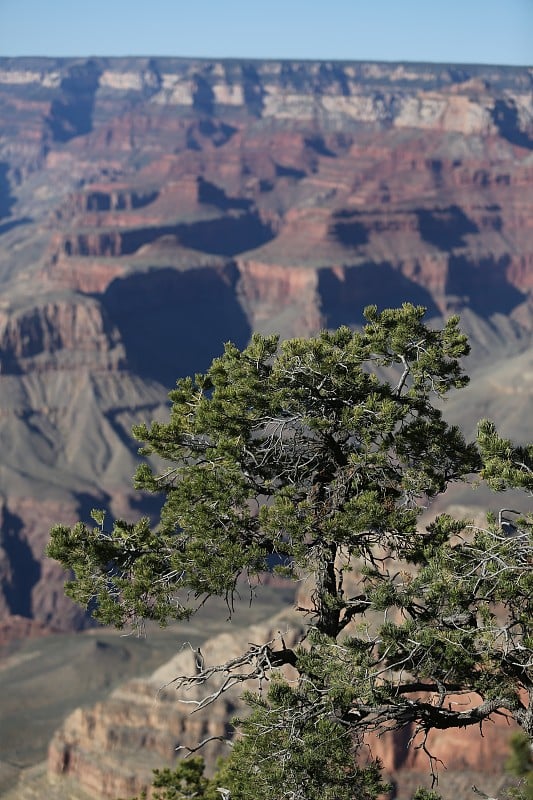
x,y
152,209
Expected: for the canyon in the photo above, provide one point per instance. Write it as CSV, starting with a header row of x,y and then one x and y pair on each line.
x,y
152,209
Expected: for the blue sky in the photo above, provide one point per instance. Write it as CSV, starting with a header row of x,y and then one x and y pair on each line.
x,y
457,31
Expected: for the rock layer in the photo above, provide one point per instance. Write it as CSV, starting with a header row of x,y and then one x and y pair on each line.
x,y
109,750
151,209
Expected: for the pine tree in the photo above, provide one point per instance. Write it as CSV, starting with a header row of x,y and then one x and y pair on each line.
x,y
520,763
321,454
185,782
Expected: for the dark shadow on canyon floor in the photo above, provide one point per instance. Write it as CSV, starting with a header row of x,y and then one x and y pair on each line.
x,y
444,228
174,323
25,569
483,284
7,200
343,299
226,236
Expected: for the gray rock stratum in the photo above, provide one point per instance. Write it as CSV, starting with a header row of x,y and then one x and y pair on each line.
x,y
151,209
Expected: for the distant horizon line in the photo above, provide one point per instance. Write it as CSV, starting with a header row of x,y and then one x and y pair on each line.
x,y
260,59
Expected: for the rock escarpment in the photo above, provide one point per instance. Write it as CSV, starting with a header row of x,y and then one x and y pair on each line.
x,y
151,209
109,750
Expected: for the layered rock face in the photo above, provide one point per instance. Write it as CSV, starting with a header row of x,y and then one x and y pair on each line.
x,y
108,750
151,209
111,749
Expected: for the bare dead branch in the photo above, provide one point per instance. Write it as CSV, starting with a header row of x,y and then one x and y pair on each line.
x,y
254,664
191,750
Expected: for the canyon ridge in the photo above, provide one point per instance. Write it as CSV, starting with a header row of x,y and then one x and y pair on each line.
x,y
152,209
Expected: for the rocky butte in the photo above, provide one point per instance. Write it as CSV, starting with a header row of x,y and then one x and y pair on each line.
x,y
151,209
